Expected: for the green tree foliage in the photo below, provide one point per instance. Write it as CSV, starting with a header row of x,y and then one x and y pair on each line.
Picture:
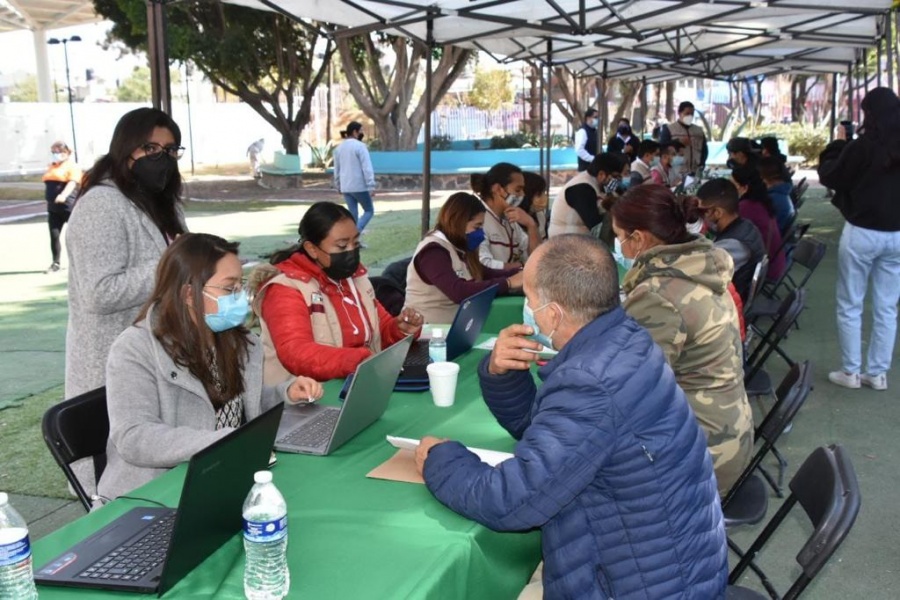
x,y
136,88
265,59
492,89
389,96
25,90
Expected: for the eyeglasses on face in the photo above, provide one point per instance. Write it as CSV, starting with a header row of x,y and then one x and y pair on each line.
x,y
237,288
155,151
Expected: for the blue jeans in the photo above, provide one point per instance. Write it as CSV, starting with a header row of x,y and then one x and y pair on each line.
x,y
354,200
865,254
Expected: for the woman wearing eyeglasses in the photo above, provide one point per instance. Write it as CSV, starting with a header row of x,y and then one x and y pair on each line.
x,y
128,212
188,371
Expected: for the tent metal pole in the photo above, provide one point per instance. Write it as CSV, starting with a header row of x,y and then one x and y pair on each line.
x,y
834,84
850,92
601,94
426,159
878,58
540,123
158,55
858,85
603,108
549,106
889,48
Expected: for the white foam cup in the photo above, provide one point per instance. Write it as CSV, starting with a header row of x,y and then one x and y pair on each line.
x,y
442,378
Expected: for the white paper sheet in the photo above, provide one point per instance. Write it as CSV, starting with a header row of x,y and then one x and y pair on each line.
x,y
491,457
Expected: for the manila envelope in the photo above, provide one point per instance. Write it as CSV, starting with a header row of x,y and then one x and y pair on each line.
x,y
400,467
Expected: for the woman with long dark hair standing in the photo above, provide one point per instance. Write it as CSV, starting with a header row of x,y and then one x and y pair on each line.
x,y
865,175
128,212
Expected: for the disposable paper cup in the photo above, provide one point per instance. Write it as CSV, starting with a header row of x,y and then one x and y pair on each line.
x,y
442,379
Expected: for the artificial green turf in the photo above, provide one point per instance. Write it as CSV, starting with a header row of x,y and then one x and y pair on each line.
x,y
27,467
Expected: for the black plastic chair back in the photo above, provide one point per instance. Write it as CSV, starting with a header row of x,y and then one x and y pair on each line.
x,y
790,396
784,319
826,487
75,429
759,279
795,389
808,254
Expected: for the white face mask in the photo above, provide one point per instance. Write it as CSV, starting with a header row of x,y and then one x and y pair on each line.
x,y
677,161
687,119
696,227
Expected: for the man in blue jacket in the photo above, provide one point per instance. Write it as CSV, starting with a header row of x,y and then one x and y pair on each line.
x,y
610,462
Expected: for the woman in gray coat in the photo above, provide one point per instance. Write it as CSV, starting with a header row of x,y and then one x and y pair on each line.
x,y
127,213
188,371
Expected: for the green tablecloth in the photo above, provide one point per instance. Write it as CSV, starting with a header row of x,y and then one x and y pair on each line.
x,y
354,537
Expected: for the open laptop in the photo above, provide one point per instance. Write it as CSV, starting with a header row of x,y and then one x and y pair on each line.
x,y
151,549
470,318
316,429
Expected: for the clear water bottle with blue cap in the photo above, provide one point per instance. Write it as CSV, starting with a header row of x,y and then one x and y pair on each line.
x,y
266,575
16,576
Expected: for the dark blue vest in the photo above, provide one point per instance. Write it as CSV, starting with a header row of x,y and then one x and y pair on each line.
x,y
590,145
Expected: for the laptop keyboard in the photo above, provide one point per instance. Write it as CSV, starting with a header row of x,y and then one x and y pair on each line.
x,y
137,557
417,356
313,433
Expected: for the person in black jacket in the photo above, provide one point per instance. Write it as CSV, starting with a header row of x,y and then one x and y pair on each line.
x,y
865,175
624,142
586,142
738,236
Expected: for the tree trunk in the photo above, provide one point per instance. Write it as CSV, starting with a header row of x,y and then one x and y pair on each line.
x,y
629,91
670,100
387,99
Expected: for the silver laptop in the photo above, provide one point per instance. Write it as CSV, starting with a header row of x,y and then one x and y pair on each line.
x,y
317,429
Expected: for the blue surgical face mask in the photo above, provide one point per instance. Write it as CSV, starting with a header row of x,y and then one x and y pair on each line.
x,y
528,319
232,311
620,258
474,239
58,157
677,161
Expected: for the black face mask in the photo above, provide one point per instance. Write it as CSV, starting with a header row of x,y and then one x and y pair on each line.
x,y
154,173
343,264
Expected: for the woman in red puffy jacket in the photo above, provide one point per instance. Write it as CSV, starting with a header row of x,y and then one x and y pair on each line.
x,y
317,308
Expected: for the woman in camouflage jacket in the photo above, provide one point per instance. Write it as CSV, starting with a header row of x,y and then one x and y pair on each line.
x,y
677,289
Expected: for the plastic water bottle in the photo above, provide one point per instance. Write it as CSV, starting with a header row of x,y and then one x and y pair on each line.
x,y
16,576
437,346
266,575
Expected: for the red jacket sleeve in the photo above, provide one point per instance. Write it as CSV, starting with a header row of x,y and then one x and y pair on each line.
x,y
286,315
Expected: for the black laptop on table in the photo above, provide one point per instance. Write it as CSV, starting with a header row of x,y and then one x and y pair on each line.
x,y
149,550
467,325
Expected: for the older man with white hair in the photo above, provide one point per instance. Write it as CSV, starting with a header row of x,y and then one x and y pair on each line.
x,y
610,463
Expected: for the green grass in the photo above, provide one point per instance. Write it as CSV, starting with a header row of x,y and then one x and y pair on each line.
x,y
10,193
27,467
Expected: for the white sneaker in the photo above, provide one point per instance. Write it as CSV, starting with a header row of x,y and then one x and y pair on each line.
x,y
847,380
876,382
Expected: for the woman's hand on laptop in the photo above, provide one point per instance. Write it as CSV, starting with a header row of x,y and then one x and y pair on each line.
x,y
409,321
304,389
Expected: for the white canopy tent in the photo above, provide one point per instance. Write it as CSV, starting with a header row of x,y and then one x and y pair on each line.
x,y
40,16
654,40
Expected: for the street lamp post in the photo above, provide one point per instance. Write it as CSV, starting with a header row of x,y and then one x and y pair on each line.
x,y
65,44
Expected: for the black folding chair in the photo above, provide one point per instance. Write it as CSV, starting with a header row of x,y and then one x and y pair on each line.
x,y
797,193
827,489
757,381
747,501
798,381
759,279
806,256
75,429
789,240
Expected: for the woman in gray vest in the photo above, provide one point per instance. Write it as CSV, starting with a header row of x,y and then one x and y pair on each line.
x,y
187,372
445,269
